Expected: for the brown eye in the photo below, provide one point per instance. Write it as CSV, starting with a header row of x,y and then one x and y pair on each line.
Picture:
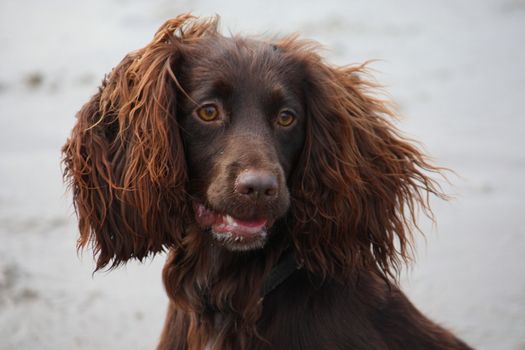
x,y
285,118
209,112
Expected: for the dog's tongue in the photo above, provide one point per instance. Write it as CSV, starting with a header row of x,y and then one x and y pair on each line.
x,y
240,228
251,223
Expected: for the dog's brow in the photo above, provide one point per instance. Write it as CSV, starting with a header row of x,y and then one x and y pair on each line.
x,y
280,96
214,89
277,93
222,88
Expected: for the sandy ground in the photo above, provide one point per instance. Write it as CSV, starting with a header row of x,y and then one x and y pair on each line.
x,y
455,68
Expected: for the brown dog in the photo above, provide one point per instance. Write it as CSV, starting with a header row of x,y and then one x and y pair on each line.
x,y
278,184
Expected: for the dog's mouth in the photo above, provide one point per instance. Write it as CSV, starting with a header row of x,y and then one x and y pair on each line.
x,y
236,234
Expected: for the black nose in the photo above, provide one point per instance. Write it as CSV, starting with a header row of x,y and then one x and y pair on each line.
x,y
257,184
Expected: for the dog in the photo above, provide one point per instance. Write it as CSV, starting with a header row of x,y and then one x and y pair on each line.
x,y
277,183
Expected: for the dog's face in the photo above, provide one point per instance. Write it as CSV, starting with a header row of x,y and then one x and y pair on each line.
x,y
232,127
243,126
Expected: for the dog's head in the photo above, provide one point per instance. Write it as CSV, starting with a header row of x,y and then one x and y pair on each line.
x,y
243,126
233,135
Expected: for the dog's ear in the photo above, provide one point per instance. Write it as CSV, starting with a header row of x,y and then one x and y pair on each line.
x,y
359,183
125,160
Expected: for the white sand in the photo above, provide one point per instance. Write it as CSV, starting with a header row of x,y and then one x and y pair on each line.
x,y
455,68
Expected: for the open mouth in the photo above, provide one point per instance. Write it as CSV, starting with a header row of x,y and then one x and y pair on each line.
x,y
235,233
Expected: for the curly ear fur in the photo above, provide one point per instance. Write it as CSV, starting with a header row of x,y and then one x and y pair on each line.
x,y
125,159
359,182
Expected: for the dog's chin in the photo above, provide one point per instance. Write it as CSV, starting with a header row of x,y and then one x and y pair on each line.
x,y
232,233
237,243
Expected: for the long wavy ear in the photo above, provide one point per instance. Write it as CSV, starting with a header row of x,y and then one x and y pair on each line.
x,y
359,183
125,160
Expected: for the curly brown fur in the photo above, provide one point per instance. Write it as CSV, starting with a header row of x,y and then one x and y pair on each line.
x,y
339,186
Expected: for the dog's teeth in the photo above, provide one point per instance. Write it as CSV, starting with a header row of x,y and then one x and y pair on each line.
x,y
230,220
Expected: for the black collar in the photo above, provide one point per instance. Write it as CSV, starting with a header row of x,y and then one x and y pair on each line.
x,y
286,266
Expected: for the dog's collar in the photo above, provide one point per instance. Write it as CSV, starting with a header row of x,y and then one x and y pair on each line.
x,y
286,266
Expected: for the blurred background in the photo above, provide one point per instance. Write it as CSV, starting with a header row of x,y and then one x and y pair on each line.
x,y
456,70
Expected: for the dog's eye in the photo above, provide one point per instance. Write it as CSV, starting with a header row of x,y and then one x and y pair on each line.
x,y
285,118
209,112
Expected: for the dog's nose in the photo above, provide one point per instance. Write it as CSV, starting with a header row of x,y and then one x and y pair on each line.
x,y
257,184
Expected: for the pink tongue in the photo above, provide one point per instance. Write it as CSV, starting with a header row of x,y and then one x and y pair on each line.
x,y
252,223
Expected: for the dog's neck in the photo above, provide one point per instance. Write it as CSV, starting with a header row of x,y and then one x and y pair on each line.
x,y
202,274
286,266
217,290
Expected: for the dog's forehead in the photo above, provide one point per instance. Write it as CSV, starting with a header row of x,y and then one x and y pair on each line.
x,y
242,61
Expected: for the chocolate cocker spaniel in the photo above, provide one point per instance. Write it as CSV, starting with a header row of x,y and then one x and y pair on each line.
x,y
277,183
